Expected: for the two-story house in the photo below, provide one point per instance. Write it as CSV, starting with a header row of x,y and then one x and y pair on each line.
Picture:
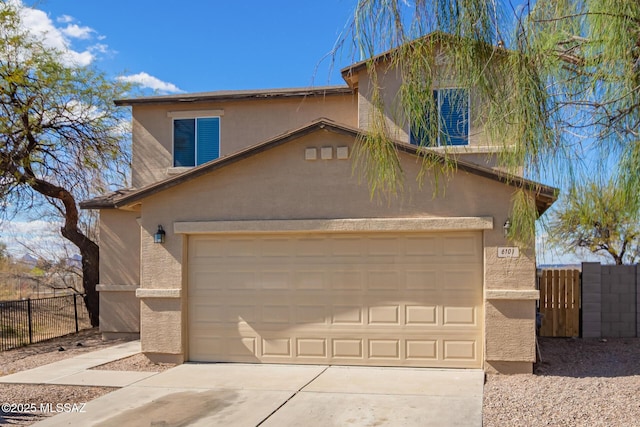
x,y
248,237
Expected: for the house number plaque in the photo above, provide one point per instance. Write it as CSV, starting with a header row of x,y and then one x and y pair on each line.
x,y
509,252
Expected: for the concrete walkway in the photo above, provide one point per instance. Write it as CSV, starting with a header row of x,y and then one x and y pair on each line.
x,y
75,370
234,394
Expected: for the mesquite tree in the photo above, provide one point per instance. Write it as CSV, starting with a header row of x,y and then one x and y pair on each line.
x,y
61,138
599,218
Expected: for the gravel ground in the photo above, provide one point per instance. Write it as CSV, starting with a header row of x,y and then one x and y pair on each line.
x,y
139,362
580,382
50,351
34,355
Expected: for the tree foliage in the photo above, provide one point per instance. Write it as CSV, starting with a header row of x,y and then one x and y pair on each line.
x,y
559,80
588,52
61,137
600,219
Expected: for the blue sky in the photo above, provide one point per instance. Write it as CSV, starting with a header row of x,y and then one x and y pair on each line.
x,y
204,45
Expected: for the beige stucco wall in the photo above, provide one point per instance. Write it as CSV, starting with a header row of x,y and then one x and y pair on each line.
x,y
119,311
119,273
478,151
161,334
281,184
509,335
242,124
119,237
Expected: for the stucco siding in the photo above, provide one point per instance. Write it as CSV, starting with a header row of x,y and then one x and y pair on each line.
x,y
510,330
119,311
119,239
279,184
397,124
161,326
242,124
119,273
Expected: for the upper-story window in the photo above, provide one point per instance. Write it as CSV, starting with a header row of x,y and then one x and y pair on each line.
x,y
453,119
195,140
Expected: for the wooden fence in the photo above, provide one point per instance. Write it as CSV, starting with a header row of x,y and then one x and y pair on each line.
x,y
560,303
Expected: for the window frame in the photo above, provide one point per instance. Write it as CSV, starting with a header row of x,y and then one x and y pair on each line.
x,y
440,133
195,118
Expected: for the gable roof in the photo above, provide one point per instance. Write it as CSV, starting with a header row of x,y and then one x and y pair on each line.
x,y
230,95
545,195
350,72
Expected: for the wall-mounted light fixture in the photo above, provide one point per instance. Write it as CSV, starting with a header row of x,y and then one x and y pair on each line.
x,y
159,236
506,227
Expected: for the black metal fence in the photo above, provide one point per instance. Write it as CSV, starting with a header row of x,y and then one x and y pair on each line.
x,y
28,321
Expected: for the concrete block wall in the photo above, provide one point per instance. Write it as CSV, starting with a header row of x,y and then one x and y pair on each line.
x,y
591,300
619,301
610,300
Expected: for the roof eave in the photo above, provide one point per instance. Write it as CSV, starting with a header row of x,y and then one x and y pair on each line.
x,y
238,95
350,72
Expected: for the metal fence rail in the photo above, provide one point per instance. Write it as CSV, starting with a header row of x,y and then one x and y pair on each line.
x,y
28,321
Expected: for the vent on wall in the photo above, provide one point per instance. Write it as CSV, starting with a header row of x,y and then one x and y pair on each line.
x,y
311,153
326,153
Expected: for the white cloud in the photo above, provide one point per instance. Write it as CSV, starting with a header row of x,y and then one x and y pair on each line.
x,y
100,48
65,19
78,32
39,25
79,58
36,227
23,236
150,82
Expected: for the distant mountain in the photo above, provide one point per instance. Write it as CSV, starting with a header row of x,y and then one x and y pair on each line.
x,y
75,261
28,260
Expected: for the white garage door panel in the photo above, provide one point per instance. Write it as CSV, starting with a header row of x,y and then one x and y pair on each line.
x,y
363,299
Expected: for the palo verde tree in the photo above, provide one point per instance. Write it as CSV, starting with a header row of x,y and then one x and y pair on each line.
x,y
556,79
61,138
599,218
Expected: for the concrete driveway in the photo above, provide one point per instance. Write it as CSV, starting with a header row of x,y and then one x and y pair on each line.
x,y
224,394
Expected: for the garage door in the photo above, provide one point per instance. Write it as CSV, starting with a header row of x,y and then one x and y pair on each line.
x,y
384,299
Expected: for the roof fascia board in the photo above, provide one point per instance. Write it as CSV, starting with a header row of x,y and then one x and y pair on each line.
x,y
237,95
